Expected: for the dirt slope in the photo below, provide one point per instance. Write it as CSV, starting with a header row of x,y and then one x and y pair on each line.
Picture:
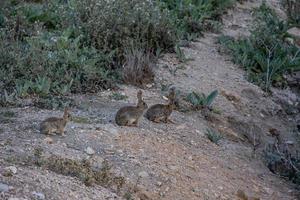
x,y
158,161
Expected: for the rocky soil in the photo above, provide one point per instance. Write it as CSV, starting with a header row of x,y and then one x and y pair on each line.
x,y
155,161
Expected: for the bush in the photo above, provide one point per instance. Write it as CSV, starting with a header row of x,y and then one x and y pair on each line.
x,y
139,67
265,55
293,11
59,46
189,16
213,136
200,101
117,24
280,160
62,46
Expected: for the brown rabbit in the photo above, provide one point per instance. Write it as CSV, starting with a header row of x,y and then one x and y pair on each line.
x,y
160,112
130,115
53,125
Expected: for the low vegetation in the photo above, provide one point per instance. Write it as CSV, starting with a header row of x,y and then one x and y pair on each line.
x,y
201,101
293,11
282,161
54,48
265,55
213,136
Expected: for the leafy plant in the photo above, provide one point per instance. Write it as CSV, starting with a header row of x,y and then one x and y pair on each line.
x,y
292,10
200,101
280,160
265,55
189,16
118,96
213,136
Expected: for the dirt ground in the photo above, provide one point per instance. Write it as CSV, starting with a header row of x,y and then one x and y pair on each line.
x,y
157,161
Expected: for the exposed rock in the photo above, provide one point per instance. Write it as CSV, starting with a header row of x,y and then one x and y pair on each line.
x,y
295,33
48,140
10,170
89,151
143,174
4,187
38,195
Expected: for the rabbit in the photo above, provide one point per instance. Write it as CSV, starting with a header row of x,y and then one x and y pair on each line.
x,y
130,115
53,125
161,113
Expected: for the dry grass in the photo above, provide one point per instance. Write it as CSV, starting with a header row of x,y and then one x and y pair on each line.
x,y
138,67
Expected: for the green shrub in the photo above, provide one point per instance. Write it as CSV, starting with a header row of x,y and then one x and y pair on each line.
x,y
189,15
200,101
213,136
293,11
117,25
55,63
265,55
282,161
62,46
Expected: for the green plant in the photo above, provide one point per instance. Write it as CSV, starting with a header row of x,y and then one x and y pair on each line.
x,y
118,96
280,160
265,55
213,136
200,101
8,114
293,11
189,16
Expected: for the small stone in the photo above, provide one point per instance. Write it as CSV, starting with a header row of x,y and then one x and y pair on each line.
x,y
173,167
289,142
11,170
48,140
165,98
149,85
89,151
143,174
97,162
38,195
4,187
159,184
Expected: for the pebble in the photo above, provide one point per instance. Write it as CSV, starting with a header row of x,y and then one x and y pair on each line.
x,y
48,140
11,170
38,195
159,184
14,198
143,174
4,187
89,151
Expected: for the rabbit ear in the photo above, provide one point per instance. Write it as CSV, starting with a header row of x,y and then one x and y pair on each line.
x,y
66,110
139,95
172,93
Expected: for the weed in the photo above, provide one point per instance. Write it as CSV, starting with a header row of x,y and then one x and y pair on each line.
x,y
189,16
265,55
293,11
53,48
118,96
8,114
80,120
53,102
200,101
281,160
213,136
138,67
